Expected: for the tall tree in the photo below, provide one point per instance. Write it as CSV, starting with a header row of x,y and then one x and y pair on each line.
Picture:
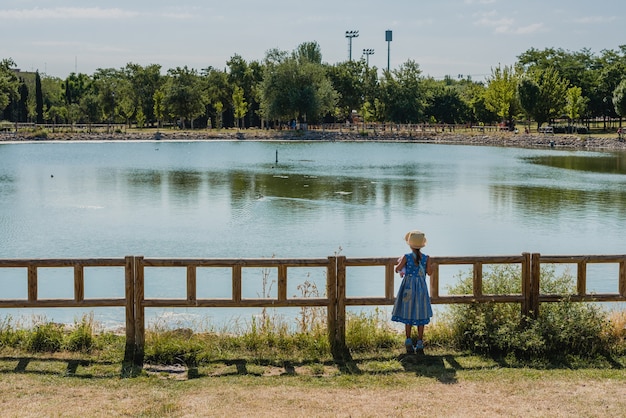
x,y
575,103
501,93
403,94
528,94
295,88
183,95
619,99
552,94
38,98
240,105
8,84
144,83
347,79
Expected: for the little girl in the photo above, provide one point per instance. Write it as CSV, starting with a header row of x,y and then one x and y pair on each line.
x,y
412,306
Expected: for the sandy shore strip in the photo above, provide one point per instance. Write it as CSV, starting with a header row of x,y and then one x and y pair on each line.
x,y
506,139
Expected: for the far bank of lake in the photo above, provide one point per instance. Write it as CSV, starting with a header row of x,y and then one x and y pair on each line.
x,y
460,137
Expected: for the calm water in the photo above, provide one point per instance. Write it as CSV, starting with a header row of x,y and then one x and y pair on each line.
x,y
232,199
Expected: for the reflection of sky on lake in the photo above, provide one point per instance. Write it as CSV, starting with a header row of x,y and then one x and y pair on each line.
x,y
233,200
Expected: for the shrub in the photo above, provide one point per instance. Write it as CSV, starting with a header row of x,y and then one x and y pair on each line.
x,y
81,337
562,329
369,332
47,337
10,335
180,346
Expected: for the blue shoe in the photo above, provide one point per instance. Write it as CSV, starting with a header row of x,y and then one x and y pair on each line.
x,y
409,346
419,345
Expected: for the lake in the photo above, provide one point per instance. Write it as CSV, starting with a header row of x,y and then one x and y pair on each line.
x,y
244,199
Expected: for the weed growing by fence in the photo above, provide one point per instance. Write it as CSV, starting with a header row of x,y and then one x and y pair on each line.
x,y
563,331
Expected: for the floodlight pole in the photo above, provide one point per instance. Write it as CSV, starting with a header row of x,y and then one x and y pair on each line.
x,y
351,34
367,53
388,38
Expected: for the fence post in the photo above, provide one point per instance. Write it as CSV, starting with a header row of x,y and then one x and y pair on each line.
x,y
140,326
129,352
340,350
535,279
331,309
622,278
526,285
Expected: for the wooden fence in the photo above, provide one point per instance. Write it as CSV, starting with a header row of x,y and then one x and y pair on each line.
x,y
335,301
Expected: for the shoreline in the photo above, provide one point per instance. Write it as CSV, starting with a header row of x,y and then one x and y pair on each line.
x,y
506,139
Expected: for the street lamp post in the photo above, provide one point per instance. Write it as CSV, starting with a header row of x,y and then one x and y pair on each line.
x,y
367,53
351,34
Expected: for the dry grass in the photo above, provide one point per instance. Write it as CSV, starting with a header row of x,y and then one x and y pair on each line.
x,y
438,384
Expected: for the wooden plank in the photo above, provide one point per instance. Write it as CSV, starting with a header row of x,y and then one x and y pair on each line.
x,y
236,283
341,304
32,283
140,320
535,280
581,279
230,262
331,310
282,282
434,280
229,303
526,285
390,280
477,280
191,283
79,283
622,278
61,303
573,259
51,262
129,292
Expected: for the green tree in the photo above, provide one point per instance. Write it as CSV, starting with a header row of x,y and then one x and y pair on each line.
x,y
76,85
144,83
183,95
8,83
217,91
108,86
159,109
444,103
528,94
619,101
403,94
575,103
240,105
347,79
501,93
90,109
552,95
295,88
38,98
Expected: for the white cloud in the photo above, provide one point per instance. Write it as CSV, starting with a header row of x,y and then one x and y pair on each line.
x,y
502,25
479,1
595,19
67,13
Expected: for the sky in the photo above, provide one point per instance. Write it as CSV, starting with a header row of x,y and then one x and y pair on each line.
x,y
444,37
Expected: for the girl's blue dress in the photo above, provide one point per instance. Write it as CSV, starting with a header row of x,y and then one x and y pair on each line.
x,y
412,304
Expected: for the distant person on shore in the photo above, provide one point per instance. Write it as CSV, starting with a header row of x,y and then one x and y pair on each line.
x,y
412,306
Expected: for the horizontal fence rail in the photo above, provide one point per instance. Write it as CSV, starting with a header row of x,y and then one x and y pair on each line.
x,y
335,300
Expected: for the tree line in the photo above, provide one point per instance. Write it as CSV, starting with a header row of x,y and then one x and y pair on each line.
x,y
541,86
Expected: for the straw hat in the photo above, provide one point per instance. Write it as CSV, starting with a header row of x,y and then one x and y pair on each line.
x,y
415,239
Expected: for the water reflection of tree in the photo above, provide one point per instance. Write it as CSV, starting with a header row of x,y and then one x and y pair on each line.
x,y
551,201
607,164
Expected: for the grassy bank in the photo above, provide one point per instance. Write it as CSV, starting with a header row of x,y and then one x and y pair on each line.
x,y
268,371
442,382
